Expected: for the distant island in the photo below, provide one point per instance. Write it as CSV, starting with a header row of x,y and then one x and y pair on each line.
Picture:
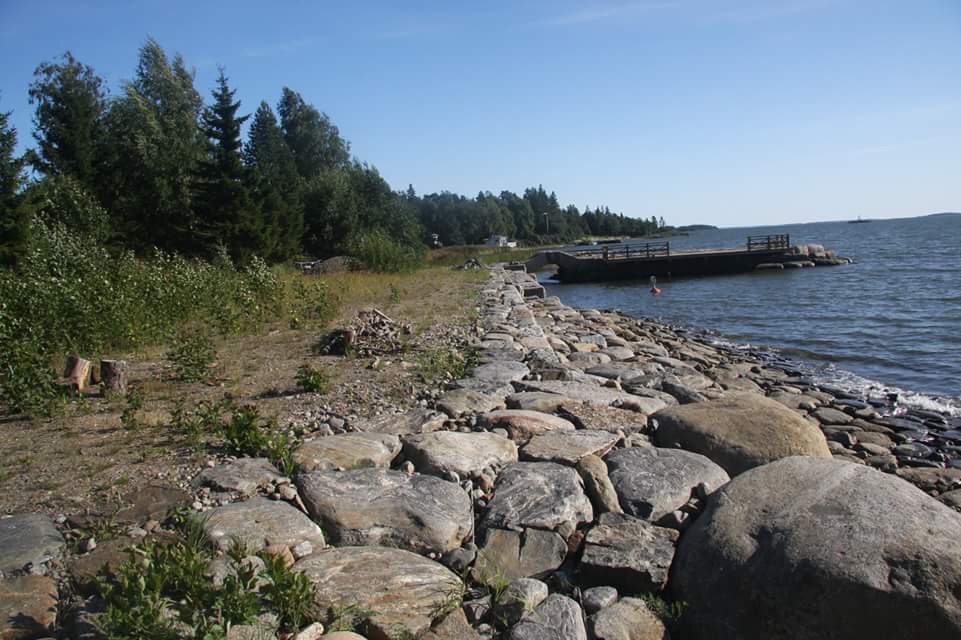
x,y
943,214
696,227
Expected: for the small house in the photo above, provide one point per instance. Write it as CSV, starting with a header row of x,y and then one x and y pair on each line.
x,y
500,241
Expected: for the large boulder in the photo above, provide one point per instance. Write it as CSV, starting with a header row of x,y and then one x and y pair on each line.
x,y
542,495
27,538
806,548
651,482
739,431
348,451
626,619
507,555
466,454
243,475
403,592
260,522
390,508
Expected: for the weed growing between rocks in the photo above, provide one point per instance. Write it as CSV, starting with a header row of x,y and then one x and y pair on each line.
x,y
312,380
165,590
135,400
445,364
669,611
248,434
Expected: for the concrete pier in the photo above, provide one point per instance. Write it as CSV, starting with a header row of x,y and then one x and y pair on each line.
x,y
599,264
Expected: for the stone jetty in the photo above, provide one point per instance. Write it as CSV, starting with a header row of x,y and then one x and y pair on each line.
x,y
597,476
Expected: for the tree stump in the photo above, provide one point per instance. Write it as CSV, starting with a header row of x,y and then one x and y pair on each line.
x,y
113,374
77,373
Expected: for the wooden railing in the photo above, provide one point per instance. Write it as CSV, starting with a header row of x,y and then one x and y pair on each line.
x,y
769,243
646,250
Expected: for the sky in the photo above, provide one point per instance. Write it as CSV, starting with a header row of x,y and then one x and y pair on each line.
x,y
724,112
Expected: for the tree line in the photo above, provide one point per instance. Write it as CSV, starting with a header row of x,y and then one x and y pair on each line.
x,y
156,167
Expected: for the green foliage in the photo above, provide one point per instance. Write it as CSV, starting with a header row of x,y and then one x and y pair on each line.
x,y
313,139
378,252
289,593
669,611
225,210
135,400
445,364
71,295
63,199
13,217
192,354
203,421
310,304
352,617
312,380
247,434
71,102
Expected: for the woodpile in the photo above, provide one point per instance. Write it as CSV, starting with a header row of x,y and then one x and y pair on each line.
x,y
372,333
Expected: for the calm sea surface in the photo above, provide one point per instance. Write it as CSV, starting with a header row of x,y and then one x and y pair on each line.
x,y
890,320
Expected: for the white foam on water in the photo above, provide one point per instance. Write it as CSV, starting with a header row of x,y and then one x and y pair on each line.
x,y
829,374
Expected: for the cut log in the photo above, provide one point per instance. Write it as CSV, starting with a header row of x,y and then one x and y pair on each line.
x,y
113,373
77,373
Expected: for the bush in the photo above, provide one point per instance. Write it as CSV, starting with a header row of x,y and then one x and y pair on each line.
x,y
379,252
192,354
312,380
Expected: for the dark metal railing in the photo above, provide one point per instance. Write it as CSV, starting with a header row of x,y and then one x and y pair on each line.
x,y
769,243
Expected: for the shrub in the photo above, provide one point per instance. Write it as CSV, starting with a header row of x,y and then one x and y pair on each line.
x,y
445,364
312,380
309,303
191,354
379,252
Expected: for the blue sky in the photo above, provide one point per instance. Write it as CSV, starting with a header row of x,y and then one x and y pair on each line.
x,y
727,112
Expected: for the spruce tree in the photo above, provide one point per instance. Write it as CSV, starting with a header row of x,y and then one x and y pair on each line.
x,y
13,217
225,209
277,186
70,101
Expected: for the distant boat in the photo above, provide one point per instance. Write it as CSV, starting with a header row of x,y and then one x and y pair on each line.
x,y
858,221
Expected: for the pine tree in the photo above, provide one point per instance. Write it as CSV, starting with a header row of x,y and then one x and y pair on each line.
x,y
13,217
225,209
278,188
70,101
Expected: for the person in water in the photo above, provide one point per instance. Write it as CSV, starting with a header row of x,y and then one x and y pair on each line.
x,y
654,290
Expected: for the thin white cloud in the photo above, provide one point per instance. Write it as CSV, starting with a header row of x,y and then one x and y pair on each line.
x,y
607,13
760,10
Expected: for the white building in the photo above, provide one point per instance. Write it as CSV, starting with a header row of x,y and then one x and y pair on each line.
x,y
500,241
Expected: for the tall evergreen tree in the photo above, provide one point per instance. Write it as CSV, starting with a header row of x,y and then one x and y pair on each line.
x,y
154,145
278,188
314,140
13,217
225,210
70,101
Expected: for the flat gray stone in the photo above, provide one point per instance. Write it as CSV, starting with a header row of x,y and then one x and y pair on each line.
x,y
504,371
542,495
27,538
557,618
417,420
421,513
458,402
519,599
28,607
596,598
348,451
617,370
523,425
652,482
466,454
261,522
593,394
827,415
506,555
627,553
404,591
568,447
536,401
627,619
243,475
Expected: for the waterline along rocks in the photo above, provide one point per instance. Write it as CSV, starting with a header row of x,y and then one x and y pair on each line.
x,y
596,476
